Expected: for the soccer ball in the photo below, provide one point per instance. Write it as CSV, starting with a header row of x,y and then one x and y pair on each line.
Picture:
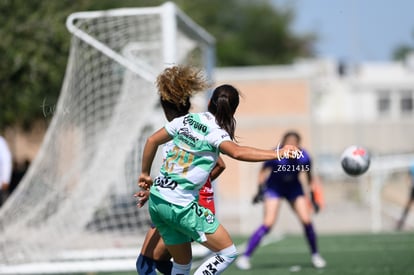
x,y
355,160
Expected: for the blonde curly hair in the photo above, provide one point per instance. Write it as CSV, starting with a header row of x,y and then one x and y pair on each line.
x,y
178,83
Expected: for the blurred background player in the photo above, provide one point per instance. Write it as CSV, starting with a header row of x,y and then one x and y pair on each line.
x,y
5,170
410,200
175,85
280,179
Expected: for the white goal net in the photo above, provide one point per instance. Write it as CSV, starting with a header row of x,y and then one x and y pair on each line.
x,y
76,201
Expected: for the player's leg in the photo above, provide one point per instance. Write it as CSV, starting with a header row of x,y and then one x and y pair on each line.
x,y
401,221
271,211
179,247
200,224
164,216
145,263
407,207
221,243
300,206
153,255
181,254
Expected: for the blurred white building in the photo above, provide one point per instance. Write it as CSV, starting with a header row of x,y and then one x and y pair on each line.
x,y
371,104
332,106
369,92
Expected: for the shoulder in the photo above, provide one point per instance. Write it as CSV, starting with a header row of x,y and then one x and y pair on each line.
x,y
208,119
304,156
305,153
173,125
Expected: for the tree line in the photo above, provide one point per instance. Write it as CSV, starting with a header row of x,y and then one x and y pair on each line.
x,y
34,44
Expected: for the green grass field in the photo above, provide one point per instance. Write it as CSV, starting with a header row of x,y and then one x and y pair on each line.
x,y
366,254
347,254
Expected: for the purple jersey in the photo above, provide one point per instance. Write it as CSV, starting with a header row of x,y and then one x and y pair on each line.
x,y
283,181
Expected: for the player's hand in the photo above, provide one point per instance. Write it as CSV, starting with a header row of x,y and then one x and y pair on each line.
x,y
259,195
142,196
288,151
315,204
316,194
145,181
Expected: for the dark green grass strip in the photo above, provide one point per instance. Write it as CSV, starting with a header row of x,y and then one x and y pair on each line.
x,y
365,254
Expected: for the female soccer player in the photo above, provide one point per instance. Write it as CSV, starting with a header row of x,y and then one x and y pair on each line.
x,y
173,204
280,179
175,85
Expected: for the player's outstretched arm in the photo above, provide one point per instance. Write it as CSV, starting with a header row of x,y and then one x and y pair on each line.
x,y
251,154
159,137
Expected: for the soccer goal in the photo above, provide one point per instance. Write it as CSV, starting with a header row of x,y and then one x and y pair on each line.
x,y
74,211
372,202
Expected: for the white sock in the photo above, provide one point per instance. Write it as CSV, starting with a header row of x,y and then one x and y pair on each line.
x,y
219,262
181,269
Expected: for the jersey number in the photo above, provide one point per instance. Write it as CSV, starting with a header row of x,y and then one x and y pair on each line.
x,y
182,158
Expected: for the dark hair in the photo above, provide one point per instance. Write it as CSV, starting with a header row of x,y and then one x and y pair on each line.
x,y
172,110
223,104
290,134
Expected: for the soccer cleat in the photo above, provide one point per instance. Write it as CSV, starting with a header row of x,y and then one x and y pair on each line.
x,y
318,261
243,262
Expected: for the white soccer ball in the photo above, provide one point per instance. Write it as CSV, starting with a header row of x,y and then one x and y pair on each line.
x,y
355,160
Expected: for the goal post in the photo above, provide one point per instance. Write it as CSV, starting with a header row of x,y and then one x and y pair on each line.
x,y
76,200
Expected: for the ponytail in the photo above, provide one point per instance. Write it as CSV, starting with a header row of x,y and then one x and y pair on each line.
x,y
223,104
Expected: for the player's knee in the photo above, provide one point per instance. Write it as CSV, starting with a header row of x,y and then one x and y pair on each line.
x,y
229,254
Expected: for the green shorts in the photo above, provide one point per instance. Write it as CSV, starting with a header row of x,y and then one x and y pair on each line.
x,y
180,224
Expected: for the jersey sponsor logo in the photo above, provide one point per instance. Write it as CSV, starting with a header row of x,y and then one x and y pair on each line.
x,y
165,182
185,135
194,124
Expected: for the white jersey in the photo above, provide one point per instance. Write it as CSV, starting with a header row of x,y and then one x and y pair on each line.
x,y
167,147
187,166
